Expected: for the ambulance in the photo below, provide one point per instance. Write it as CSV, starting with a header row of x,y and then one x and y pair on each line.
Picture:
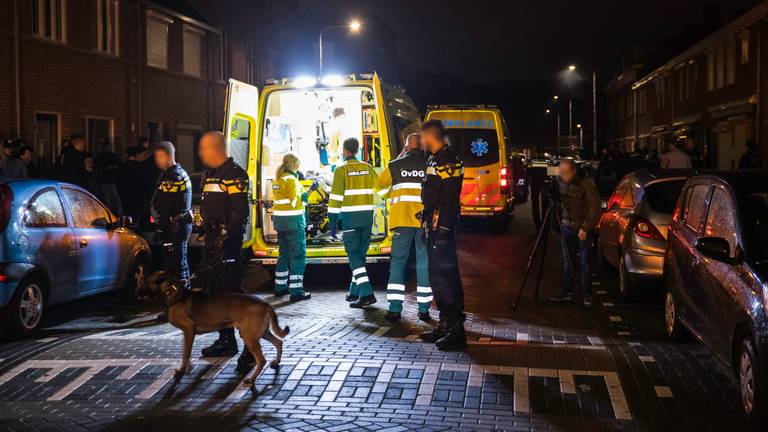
x,y
311,117
480,134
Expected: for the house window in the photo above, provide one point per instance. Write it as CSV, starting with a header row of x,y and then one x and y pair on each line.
x,y
710,70
49,19
730,61
157,39
107,26
744,47
193,39
720,67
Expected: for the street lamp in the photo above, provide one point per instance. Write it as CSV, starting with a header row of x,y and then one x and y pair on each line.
x,y
572,68
581,135
353,26
557,125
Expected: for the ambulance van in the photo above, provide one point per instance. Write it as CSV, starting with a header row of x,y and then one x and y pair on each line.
x,y
480,134
311,118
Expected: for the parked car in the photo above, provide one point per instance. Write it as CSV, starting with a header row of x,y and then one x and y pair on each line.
x,y
633,229
60,243
610,172
716,273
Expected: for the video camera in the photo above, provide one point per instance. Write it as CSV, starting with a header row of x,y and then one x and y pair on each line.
x,y
551,189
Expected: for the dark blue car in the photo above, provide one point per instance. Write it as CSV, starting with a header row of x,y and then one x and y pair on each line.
x,y
59,243
716,272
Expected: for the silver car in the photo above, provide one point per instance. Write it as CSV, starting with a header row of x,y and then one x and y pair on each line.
x,y
633,229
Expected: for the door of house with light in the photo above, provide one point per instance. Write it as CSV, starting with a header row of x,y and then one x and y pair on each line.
x,y
46,139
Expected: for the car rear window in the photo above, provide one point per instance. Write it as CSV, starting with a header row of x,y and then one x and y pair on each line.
x,y
477,147
610,173
662,196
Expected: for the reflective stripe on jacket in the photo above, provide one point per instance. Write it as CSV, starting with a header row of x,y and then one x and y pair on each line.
x,y
401,182
352,194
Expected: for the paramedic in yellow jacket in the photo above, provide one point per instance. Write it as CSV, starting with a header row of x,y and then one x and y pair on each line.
x,y
401,182
351,200
288,218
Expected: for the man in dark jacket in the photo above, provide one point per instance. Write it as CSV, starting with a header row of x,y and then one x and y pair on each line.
x,y
11,164
580,202
751,158
107,163
131,175
73,162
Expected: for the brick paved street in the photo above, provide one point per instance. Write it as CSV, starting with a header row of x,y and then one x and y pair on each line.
x,y
543,367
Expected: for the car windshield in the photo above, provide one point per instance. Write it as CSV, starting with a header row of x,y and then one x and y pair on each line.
x,y
662,196
754,218
610,173
477,147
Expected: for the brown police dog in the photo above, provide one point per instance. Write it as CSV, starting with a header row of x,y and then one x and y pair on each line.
x,y
197,313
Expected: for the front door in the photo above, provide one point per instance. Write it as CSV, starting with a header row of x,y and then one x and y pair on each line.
x,y
46,139
98,245
240,129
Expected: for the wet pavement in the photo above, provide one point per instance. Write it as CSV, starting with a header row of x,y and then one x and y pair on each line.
x,y
101,365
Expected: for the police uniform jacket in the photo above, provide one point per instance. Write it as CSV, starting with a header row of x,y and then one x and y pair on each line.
x,y
225,199
173,197
401,182
441,193
352,194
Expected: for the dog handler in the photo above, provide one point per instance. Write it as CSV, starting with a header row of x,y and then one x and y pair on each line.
x,y
352,199
224,210
401,182
288,219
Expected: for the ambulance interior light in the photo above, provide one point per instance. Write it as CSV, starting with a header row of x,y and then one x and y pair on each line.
x,y
332,80
305,81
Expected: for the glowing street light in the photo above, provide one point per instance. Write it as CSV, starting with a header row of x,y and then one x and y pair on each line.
x,y
555,97
547,110
572,68
353,26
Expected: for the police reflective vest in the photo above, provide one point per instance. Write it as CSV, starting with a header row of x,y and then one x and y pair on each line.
x,y
441,193
536,162
352,194
173,196
225,199
401,183
288,193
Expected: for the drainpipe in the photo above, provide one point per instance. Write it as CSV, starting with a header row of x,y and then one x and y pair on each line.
x,y
759,112
17,67
140,58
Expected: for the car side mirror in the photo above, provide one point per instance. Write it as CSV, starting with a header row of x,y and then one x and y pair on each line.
x,y
101,222
125,222
716,248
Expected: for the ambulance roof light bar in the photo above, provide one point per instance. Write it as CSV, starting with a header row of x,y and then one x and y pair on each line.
x,y
463,106
304,81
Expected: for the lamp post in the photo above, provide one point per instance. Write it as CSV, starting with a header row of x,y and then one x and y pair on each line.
x,y
557,126
572,68
353,26
581,136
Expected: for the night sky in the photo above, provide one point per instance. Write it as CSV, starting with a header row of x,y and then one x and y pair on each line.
x,y
510,52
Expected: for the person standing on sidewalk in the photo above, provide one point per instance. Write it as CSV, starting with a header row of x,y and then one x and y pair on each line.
x,y
401,182
172,203
351,200
441,195
289,222
580,202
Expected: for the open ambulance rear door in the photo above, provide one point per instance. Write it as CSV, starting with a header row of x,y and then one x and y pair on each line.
x,y
241,130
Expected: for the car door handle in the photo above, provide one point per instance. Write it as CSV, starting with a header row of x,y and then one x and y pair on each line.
x,y
83,243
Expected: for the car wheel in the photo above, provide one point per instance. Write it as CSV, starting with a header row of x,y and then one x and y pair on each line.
x,y
26,311
672,324
752,384
627,283
136,278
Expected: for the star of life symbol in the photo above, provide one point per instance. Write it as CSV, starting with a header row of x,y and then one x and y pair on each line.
x,y
479,147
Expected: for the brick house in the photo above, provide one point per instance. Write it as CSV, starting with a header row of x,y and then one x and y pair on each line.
x,y
711,96
118,70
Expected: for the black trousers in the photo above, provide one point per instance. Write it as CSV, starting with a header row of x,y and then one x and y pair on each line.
x,y
175,257
536,206
445,279
224,273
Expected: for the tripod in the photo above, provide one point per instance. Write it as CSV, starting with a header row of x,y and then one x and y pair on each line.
x,y
551,216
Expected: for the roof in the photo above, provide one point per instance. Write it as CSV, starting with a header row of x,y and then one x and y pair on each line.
x,y
745,20
646,176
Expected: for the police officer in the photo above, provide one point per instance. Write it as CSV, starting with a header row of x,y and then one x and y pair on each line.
x,y
441,197
537,174
224,211
288,218
172,205
351,200
401,182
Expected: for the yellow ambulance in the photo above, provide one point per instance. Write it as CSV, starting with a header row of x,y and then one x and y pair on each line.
x,y
311,117
480,135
